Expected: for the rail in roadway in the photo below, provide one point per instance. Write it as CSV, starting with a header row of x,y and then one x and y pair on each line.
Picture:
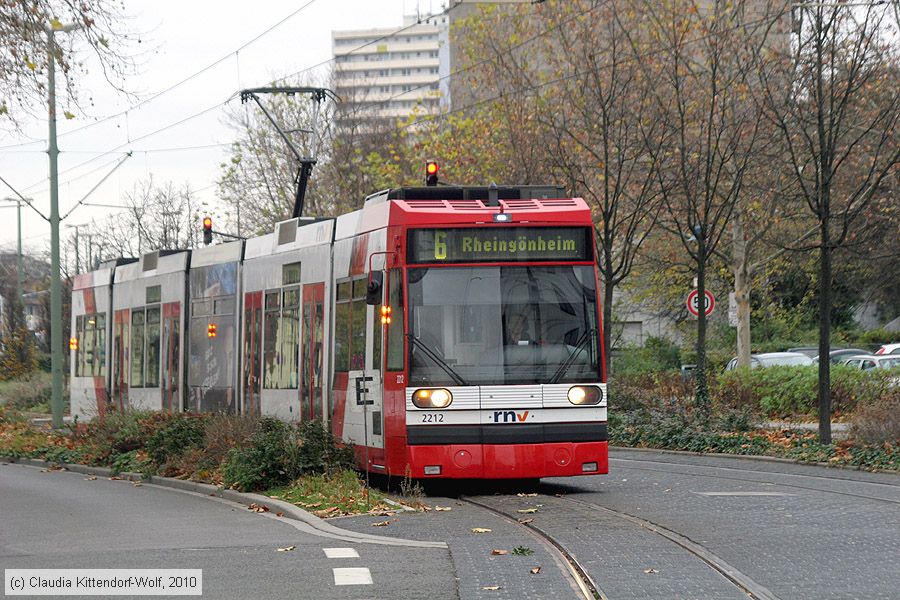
x,y
750,500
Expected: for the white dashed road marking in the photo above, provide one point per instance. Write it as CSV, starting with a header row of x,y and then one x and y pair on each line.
x,y
341,553
743,494
352,576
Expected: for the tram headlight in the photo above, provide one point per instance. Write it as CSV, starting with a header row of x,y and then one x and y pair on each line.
x,y
585,395
432,398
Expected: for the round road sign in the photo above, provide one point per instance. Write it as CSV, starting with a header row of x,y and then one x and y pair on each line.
x,y
693,303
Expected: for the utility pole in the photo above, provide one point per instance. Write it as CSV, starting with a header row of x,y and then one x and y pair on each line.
x,y
56,334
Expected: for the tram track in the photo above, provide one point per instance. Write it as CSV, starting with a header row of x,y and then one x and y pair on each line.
x,y
590,588
585,584
762,481
740,579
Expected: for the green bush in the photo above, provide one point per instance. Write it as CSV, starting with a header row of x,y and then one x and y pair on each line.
x,y
657,354
792,391
173,440
269,458
319,451
278,453
30,393
878,422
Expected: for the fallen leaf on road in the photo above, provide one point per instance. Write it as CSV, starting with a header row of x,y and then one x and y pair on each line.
x,y
496,552
650,571
668,489
480,530
440,508
258,507
521,495
560,495
535,570
328,512
490,588
136,483
287,549
381,524
527,511
313,505
91,478
526,521
279,514
115,478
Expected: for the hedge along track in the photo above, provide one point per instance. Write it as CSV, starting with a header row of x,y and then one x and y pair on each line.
x,y
586,583
586,586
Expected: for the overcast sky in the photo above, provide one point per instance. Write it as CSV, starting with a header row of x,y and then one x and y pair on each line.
x,y
182,37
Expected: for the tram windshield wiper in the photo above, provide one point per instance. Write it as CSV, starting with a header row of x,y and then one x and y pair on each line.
x,y
456,377
587,336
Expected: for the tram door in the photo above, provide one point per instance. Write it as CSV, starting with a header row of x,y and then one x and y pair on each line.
x,y
374,383
312,351
121,330
252,344
171,348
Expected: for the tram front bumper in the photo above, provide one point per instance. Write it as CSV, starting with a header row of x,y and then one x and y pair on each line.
x,y
509,461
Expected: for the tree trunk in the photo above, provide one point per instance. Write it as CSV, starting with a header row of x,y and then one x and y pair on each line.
x,y
702,390
824,335
607,320
741,272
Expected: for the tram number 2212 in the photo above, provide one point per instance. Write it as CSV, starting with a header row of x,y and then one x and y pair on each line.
x,y
432,418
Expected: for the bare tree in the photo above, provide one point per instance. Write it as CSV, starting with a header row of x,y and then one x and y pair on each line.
x,y
599,114
24,48
835,101
705,55
158,217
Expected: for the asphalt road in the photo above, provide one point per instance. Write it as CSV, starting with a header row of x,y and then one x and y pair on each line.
x,y
66,520
658,526
666,527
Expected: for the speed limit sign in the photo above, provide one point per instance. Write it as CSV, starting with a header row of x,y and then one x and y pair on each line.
x,y
693,303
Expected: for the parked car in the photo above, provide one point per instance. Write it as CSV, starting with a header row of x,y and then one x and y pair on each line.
x,y
838,355
889,349
809,351
866,362
773,359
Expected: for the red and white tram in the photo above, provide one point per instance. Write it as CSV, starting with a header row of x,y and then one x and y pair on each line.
x,y
441,331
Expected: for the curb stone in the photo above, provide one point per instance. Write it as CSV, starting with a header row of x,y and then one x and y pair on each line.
x,y
756,457
314,524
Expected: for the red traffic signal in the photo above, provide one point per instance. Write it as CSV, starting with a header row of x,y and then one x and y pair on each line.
x,y
431,171
207,231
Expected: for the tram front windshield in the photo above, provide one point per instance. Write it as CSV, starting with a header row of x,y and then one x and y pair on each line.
x,y
503,325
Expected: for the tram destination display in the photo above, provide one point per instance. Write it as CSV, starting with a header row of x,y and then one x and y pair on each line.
x,y
494,244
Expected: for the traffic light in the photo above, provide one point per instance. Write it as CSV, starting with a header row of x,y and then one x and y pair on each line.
x,y
431,171
207,231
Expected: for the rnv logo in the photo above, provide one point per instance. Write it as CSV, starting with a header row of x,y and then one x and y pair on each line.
x,y
509,416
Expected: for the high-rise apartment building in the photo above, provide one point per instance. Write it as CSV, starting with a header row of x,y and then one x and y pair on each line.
x,y
391,73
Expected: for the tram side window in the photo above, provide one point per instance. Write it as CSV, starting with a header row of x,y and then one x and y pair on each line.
x,y
395,327
99,345
342,328
137,348
358,326
79,353
282,338
151,379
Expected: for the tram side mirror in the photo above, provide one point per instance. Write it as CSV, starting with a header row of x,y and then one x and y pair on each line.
x,y
373,290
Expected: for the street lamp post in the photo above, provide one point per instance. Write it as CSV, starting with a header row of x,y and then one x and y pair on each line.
x,y
56,337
